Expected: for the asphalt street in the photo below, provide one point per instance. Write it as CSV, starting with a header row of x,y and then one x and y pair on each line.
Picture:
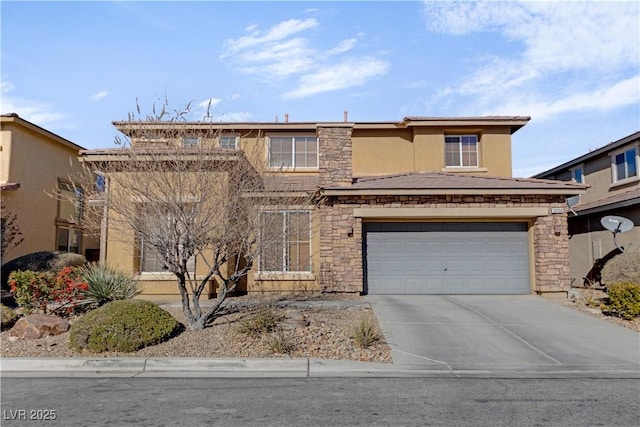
x,y
319,402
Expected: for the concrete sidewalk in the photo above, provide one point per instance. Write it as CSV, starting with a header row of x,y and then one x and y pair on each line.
x,y
275,368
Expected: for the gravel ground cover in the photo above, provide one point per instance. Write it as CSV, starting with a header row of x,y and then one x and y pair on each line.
x,y
318,326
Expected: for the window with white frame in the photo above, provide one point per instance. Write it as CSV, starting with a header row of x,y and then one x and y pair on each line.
x,y
153,262
285,239
228,141
190,141
577,174
165,236
461,150
624,164
293,151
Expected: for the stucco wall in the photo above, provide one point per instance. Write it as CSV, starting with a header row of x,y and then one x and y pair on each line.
x,y
36,162
388,151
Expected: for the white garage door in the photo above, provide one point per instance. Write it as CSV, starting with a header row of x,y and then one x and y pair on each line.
x,y
446,258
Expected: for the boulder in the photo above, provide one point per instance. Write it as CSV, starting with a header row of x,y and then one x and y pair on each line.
x,y
38,325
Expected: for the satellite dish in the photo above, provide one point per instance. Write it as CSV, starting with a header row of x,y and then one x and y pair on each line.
x,y
617,224
572,201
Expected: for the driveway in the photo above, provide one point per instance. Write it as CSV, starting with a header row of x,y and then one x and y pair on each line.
x,y
524,334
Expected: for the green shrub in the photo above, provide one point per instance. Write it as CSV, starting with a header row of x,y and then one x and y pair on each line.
x,y
9,317
624,299
44,261
265,320
624,267
36,290
108,284
122,326
280,343
365,332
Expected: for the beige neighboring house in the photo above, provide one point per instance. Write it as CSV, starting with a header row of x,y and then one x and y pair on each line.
x,y
612,173
424,205
35,163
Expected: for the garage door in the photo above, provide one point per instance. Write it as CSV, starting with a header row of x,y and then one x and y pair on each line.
x,y
446,258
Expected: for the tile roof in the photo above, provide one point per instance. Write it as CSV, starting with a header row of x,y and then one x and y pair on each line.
x,y
630,195
293,182
451,181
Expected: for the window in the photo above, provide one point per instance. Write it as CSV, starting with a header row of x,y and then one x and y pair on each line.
x,y
625,164
68,234
69,203
577,175
157,243
286,241
461,151
228,141
68,239
296,151
190,141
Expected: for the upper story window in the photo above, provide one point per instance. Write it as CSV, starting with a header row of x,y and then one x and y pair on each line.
x,y
190,141
461,150
624,164
228,141
293,151
577,174
69,203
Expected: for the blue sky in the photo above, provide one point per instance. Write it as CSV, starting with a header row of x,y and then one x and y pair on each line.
x,y
574,67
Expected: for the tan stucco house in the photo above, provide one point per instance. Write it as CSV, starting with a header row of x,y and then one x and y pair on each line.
x,y
424,205
35,164
612,174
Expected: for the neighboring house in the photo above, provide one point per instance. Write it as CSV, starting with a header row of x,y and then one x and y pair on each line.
x,y
420,206
35,164
612,174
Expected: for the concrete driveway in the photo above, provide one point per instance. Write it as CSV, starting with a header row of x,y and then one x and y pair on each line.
x,y
524,334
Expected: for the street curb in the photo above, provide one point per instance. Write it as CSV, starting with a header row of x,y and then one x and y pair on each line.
x,y
277,368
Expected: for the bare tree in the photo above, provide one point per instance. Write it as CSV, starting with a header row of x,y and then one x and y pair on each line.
x,y
11,234
191,205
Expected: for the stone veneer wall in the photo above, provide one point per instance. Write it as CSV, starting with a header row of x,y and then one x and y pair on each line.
x,y
341,248
334,155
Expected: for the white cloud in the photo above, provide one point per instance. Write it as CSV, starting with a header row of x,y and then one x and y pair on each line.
x,y
34,111
282,53
620,94
340,76
211,102
571,51
100,95
276,33
343,46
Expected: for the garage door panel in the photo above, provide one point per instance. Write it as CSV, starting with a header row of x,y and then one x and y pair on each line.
x,y
447,258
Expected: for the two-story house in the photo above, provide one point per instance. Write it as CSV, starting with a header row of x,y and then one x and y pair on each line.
x,y
419,206
611,172
35,164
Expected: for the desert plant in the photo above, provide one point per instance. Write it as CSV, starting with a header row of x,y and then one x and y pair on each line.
x,y
280,342
624,299
9,317
36,290
108,284
623,267
44,261
264,320
365,332
122,326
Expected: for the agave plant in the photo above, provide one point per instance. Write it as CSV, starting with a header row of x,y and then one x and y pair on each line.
x,y
108,284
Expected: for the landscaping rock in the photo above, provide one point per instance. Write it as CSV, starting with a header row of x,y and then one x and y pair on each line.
x,y
38,325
